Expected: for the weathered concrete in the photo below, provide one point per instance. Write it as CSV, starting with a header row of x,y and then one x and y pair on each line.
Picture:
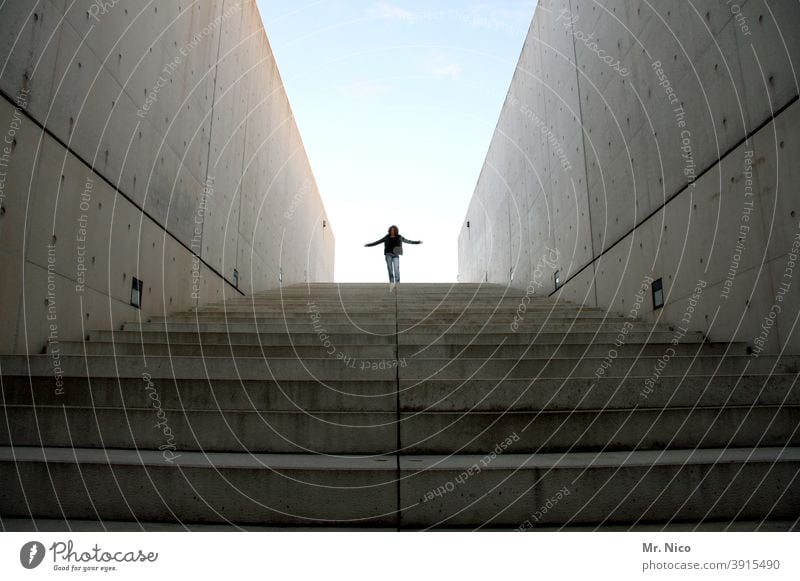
x,y
650,140
151,140
198,487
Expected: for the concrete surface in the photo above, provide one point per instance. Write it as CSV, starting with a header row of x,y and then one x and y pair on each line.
x,y
427,407
608,168
151,140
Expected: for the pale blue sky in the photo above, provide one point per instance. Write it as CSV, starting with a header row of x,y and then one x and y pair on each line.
x,y
396,103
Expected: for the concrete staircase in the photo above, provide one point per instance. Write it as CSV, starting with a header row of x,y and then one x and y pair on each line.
x,y
421,406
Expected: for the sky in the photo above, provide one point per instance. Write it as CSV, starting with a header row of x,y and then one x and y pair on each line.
x,y
396,103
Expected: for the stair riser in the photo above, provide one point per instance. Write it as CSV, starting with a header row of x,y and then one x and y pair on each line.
x,y
372,352
466,316
646,367
375,433
446,396
439,351
592,393
444,433
225,338
528,327
572,337
660,493
422,369
363,353
200,495
601,495
409,311
143,429
200,394
203,368
411,339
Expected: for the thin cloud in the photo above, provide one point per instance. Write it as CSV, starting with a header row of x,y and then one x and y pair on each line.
x,y
391,11
513,15
439,66
363,89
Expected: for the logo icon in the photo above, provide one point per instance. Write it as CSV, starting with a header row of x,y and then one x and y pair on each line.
x,y
31,554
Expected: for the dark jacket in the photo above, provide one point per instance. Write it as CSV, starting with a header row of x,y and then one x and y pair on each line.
x,y
389,243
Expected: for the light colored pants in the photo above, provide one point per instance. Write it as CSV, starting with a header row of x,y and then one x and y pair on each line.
x,y
393,266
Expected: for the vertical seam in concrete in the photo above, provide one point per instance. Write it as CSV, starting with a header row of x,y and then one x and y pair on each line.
x,y
398,440
208,153
585,162
550,230
239,193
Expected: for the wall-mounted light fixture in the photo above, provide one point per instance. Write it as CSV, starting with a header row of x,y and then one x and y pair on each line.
x,y
658,294
136,292
557,279
235,278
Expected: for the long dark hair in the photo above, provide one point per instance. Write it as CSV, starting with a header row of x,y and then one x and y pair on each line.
x,y
395,228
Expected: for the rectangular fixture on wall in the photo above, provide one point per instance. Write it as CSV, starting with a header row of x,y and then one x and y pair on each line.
x,y
557,279
235,278
136,292
658,294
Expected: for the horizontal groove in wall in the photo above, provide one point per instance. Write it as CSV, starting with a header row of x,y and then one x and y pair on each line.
x,y
685,188
115,188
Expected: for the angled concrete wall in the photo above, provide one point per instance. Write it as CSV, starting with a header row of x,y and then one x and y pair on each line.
x,y
645,141
147,139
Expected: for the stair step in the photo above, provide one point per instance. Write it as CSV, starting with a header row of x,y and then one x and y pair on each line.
x,y
225,338
278,489
370,352
367,394
417,369
601,488
644,366
362,395
77,526
365,352
192,367
374,432
352,319
585,393
121,526
445,491
229,336
391,328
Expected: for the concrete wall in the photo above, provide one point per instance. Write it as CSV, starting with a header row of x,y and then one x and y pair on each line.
x,y
148,139
651,140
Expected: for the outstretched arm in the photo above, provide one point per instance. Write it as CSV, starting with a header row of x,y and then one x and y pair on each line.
x,y
376,242
407,241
